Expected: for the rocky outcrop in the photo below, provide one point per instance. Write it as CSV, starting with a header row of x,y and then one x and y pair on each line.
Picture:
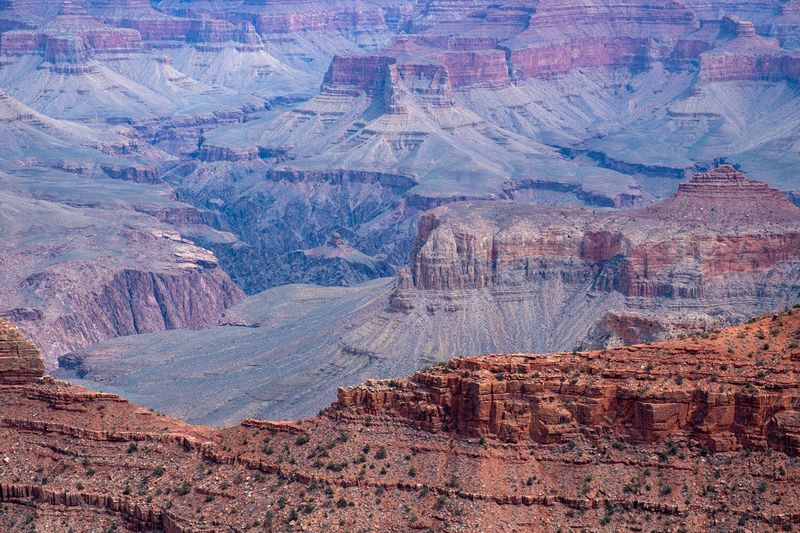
x,y
114,267
747,56
627,251
69,37
20,360
710,389
269,18
671,433
129,303
642,264
550,59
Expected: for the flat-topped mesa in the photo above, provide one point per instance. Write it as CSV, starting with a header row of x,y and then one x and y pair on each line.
x,y
746,55
726,197
391,78
706,389
69,37
20,359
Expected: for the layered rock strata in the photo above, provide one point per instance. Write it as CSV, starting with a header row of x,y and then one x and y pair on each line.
x,y
698,434
20,360
113,266
725,390
643,262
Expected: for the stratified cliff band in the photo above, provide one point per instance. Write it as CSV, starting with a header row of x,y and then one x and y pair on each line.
x,y
696,434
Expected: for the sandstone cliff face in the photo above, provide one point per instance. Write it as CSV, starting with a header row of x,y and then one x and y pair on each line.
x,y
726,391
696,434
20,360
643,262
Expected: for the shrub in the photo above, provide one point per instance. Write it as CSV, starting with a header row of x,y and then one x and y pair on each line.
x,y
441,501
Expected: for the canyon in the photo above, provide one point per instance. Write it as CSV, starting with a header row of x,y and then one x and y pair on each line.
x,y
484,277
384,109
415,178
435,265
699,433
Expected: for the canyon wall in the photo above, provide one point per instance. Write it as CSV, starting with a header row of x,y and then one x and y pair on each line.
x,y
131,302
700,433
20,360
639,262
709,391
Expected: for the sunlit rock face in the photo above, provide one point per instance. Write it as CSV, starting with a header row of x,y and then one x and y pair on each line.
x,y
20,360
635,434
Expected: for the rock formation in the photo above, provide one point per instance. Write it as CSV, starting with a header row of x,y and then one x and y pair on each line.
x,y
485,277
20,360
696,388
552,102
709,245
697,434
118,259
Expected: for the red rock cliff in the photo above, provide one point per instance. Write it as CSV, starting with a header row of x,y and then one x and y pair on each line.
x,y
738,226
725,390
20,360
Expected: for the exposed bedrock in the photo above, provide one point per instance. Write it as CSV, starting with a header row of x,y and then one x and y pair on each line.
x,y
69,37
20,360
692,433
269,18
83,265
128,303
471,256
740,254
706,390
284,223
548,59
748,56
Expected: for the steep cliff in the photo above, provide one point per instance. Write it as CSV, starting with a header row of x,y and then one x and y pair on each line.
x,y
88,258
720,248
696,434
485,277
717,388
20,360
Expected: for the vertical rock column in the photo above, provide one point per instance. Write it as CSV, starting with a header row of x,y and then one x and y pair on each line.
x,y
20,359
